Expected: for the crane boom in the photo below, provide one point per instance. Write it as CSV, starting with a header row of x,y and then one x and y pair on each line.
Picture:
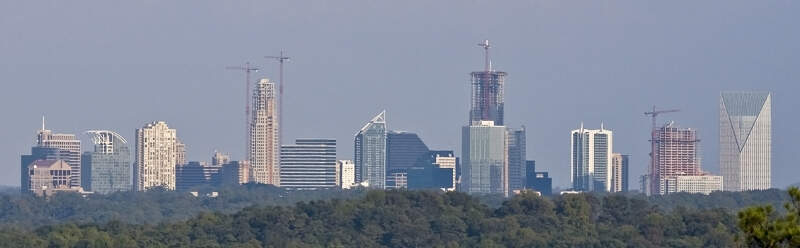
x,y
654,182
281,58
247,68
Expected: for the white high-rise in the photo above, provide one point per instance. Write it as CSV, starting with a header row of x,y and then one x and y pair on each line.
x,y
264,147
590,159
155,156
745,139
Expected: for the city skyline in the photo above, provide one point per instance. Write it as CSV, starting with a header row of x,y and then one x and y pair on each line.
x,y
541,72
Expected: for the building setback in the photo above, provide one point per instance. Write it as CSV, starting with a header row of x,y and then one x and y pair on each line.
x,y
309,164
107,169
370,153
264,140
155,156
485,157
590,159
745,140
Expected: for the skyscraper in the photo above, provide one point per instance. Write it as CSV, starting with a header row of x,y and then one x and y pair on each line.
x,y
155,156
516,159
403,150
194,174
49,176
676,154
309,164
436,170
485,156
108,168
487,92
69,150
619,172
264,147
745,140
370,152
590,159
180,152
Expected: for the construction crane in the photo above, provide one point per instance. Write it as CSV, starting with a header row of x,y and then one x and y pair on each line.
x,y
247,68
281,58
487,64
653,114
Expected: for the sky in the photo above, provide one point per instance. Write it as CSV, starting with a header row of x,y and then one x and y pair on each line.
x,y
118,65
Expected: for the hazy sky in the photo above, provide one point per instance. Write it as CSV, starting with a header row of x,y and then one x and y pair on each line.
x,y
117,65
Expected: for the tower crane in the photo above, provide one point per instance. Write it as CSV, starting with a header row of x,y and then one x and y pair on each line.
x,y
247,68
653,114
280,58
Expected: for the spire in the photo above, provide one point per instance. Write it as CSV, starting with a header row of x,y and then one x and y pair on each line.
x,y
601,126
43,123
487,63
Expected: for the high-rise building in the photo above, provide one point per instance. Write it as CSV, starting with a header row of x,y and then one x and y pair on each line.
x,y
619,172
370,153
403,149
745,140
516,159
693,184
397,179
309,164
194,174
346,173
590,159
155,156
69,150
487,93
446,160
108,168
49,176
235,173
676,154
220,159
180,152
264,141
435,171
485,157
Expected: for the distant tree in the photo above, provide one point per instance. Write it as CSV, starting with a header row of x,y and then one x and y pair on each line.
x,y
764,227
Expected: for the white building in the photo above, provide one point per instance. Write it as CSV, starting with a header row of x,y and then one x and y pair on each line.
x,y
619,172
745,140
156,156
590,159
346,173
694,184
264,147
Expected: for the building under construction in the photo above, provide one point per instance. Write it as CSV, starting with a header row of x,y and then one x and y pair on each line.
x,y
487,92
675,153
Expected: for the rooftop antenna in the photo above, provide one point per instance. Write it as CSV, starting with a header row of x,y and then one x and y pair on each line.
x,y
487,63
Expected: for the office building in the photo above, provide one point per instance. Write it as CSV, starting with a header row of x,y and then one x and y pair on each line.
x,y
235,173
676,154
49,176
745,140
156,156
397,179
69,150
309,164
346,173
590,159
538,181
435,171
516,159
619,172
485,157
370,153
264,140
107,169
403,149
487,93
195,174
704,184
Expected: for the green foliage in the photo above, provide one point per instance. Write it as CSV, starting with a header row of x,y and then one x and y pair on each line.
x,y
764,227
413,219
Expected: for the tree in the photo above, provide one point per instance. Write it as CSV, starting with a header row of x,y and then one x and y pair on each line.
x,y
763,227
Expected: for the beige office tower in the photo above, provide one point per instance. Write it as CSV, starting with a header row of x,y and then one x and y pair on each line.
x,y
745,140
345,173
155,156
69,150
264,147
180,153
619,172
